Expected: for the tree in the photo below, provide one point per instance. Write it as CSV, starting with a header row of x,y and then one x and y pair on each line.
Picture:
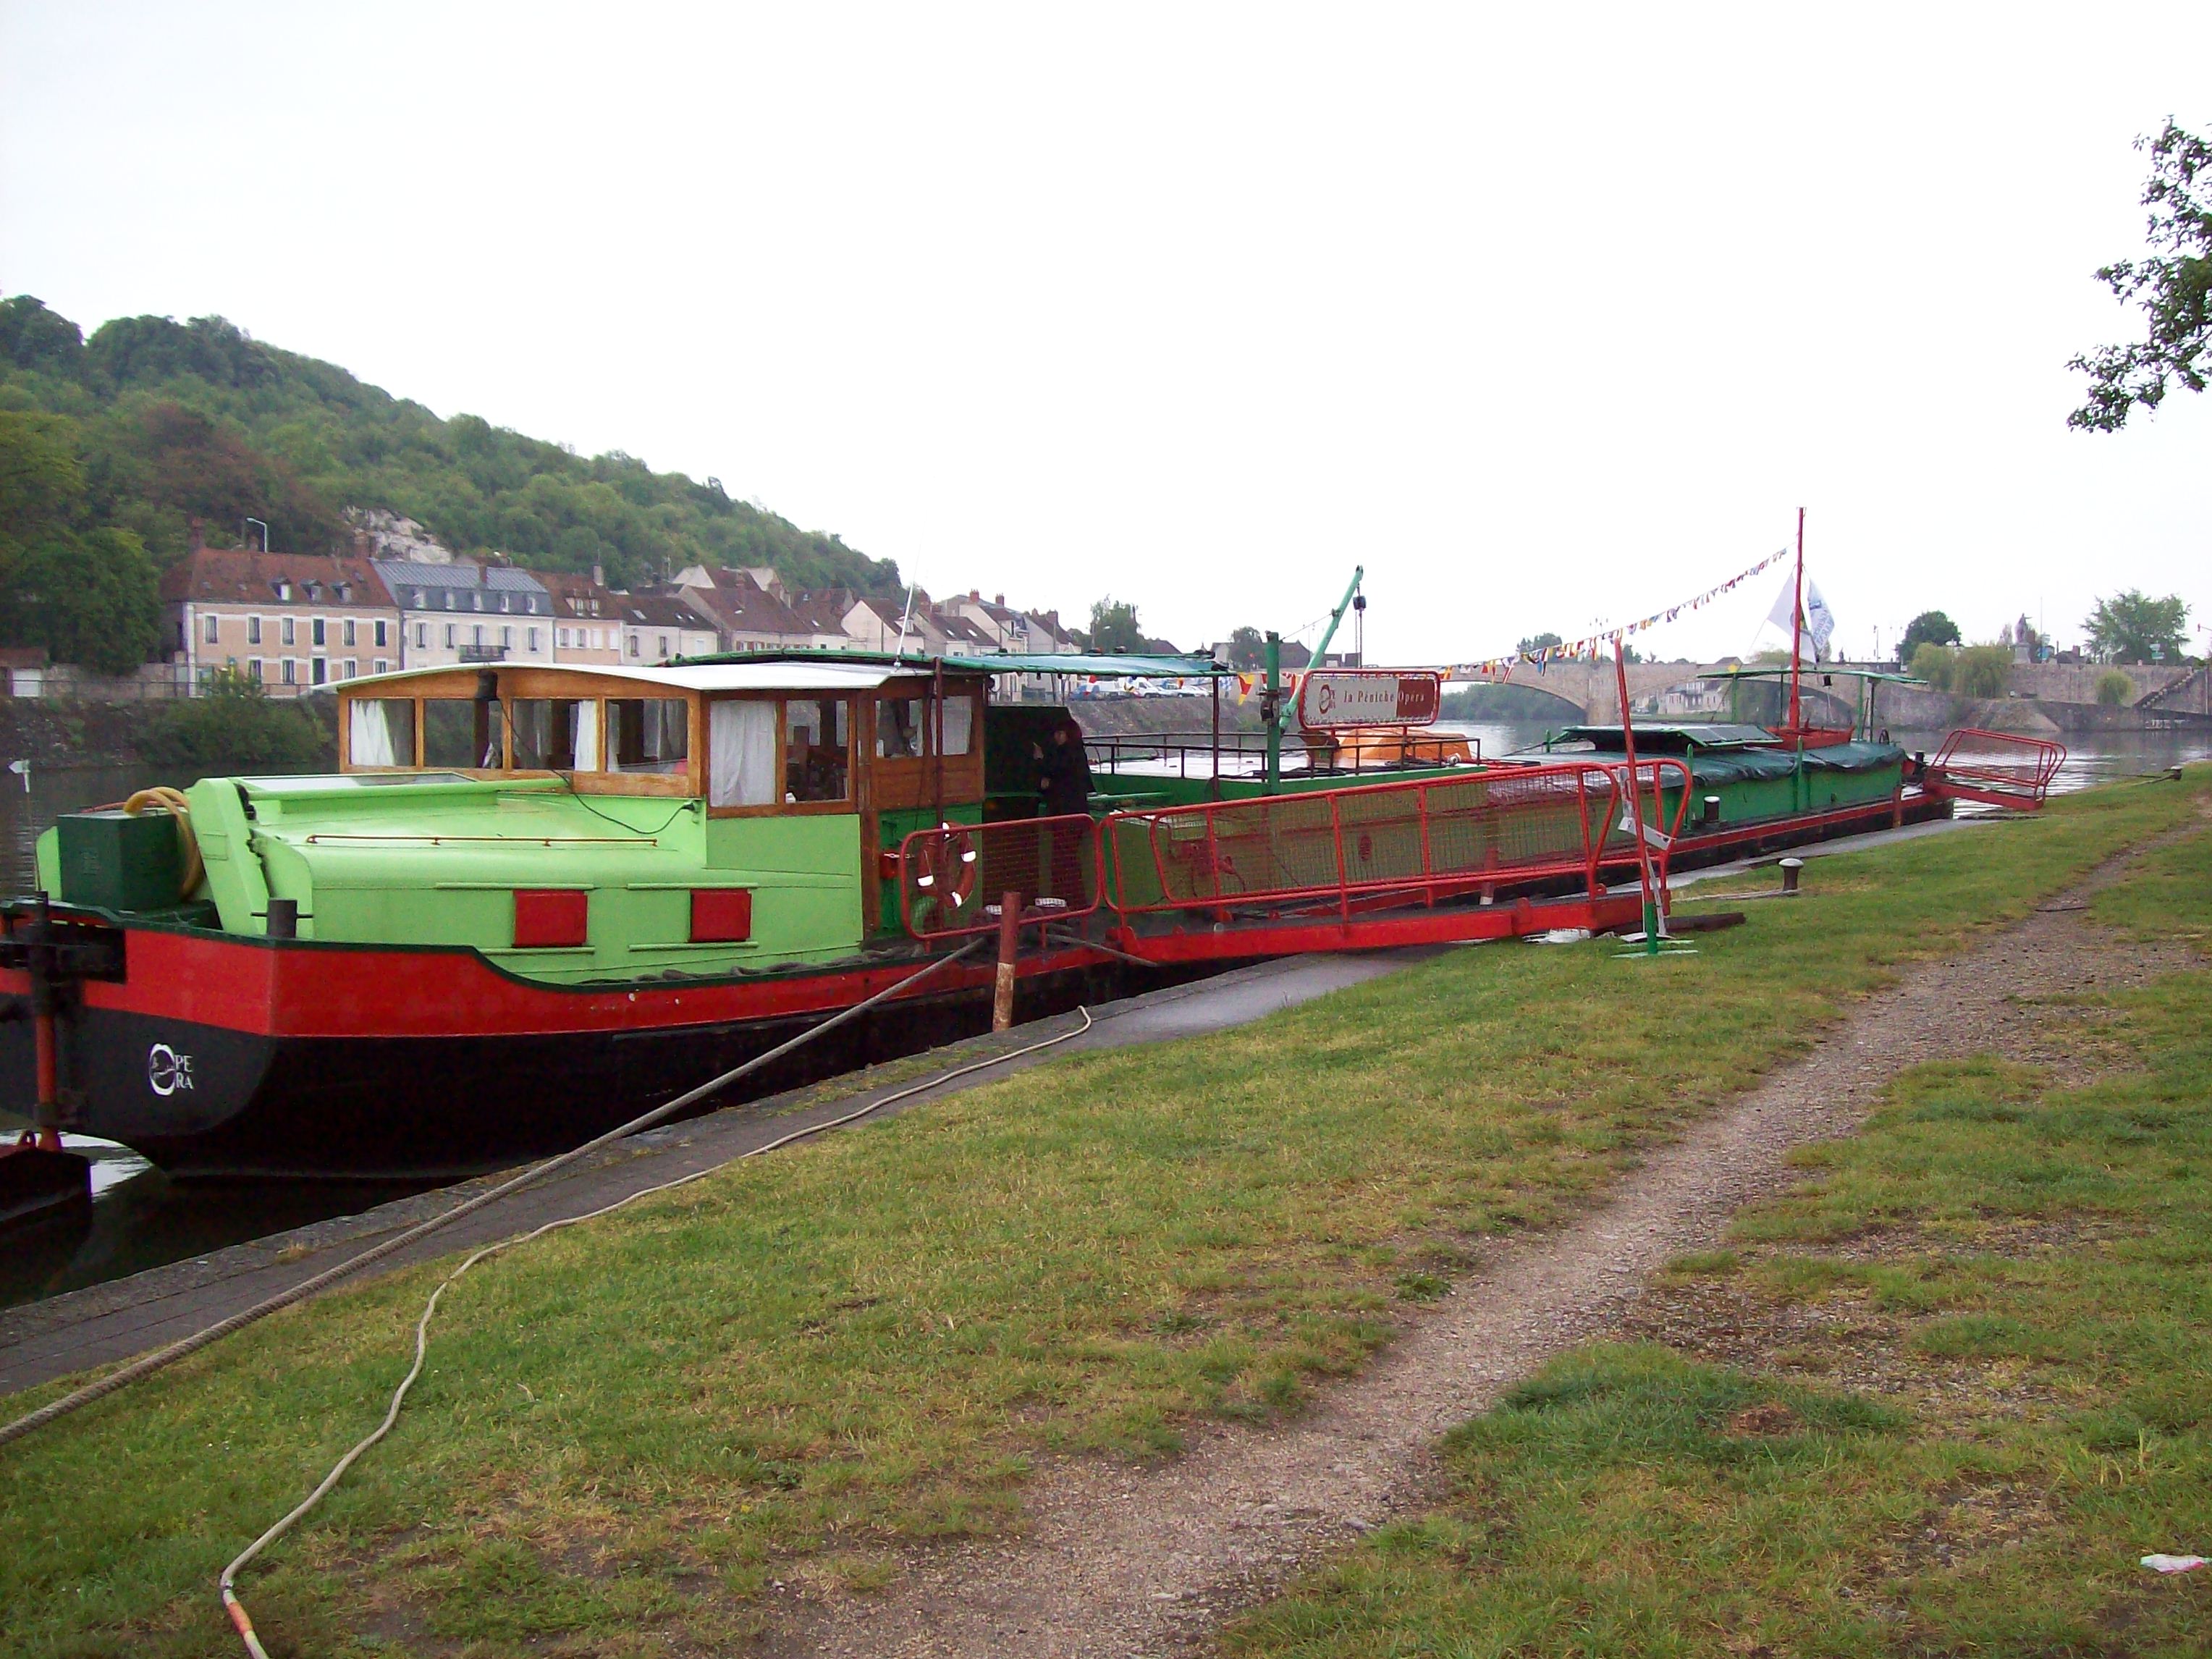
x,y
233,726
1114,626
1247,648
2134,628
1539,643
31,337
2173,284
1934,663
1928,628
90,598
89,595
2114,688
1983,670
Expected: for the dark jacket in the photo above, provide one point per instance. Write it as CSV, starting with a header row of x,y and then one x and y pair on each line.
x,y
1064,779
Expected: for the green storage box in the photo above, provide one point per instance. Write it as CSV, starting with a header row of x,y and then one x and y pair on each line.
x,y
119,860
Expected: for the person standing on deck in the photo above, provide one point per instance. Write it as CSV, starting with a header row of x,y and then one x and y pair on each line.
x,y
1064,790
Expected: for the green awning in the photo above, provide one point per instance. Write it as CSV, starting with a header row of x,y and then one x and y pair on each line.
x,y
1085,665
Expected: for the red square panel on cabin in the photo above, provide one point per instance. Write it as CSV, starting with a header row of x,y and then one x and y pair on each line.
x,y
721,915
547,918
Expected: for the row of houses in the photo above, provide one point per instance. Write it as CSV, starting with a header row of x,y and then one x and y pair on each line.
x,y
295,621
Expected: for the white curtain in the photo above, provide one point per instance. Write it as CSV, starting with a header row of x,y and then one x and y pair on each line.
x,y
741,753
370,737
959,724
584,735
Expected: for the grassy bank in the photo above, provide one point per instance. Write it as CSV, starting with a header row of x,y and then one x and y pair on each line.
x,y
1938,1401
794,1367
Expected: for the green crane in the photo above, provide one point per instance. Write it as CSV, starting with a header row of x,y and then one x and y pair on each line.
x,y
1271,707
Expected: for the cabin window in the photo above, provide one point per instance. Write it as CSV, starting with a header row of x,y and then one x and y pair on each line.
x,y
816,731
741,753
648,734
558,735
381,732
460,732
898,729
959,725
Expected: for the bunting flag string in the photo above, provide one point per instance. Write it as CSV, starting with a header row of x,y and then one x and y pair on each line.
x,y
1502,667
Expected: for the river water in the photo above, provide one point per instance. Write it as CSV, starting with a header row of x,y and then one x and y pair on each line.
x,y
140,1218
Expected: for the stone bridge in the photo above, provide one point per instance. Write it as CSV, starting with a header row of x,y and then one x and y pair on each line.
x,y
1590,692
1587,692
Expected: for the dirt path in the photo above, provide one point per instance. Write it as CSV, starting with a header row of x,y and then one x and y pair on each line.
x,y
1122,1561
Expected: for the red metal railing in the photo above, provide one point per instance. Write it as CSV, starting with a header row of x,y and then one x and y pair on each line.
x,y
950,875
2001,769
1389,846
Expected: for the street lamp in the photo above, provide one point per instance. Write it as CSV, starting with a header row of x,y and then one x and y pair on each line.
x,y
264,532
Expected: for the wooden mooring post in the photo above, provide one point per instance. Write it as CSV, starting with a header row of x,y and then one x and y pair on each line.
x,y
1010,946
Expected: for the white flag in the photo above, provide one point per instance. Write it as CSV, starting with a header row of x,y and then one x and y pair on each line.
x,y
1820,621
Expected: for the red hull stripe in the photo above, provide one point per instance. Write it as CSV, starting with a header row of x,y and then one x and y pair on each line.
x,y
302,990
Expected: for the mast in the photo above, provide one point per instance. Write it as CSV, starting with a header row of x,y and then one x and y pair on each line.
x,y
1796,634
1636,805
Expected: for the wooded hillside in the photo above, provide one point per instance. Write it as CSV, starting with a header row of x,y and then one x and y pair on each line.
x,y
111,446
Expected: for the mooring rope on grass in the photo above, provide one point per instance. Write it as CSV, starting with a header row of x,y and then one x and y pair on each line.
x,y
161,1357
236,1609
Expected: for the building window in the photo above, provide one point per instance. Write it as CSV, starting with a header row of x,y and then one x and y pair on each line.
x,y
502,601
291,631
350,639
475,637
534,641
214,630
507,639
253,633
449,636
291,671
663,646
318,670
421,636
381,641
318,631
530,603
348,668
383,665
253,666
449,599
633,644
561,639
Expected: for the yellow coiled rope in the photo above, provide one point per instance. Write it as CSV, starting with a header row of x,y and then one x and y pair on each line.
x,y
173,802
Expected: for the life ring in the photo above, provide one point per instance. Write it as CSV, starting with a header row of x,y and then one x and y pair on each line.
x,y
173,801
944,879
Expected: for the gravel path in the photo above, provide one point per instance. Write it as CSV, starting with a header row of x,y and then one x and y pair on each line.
x,y
1128,1561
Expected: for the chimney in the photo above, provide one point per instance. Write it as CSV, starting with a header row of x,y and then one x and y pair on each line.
x,y
999,599
977,594
599,575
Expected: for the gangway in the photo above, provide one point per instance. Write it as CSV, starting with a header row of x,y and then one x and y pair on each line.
x,y
1993,769
1485,855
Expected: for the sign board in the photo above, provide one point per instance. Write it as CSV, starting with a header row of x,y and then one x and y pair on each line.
x,y
1332,699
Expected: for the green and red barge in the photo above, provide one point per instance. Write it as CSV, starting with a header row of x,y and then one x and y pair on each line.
x,y
533,901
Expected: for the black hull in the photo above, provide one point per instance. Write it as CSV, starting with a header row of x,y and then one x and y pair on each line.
x,y
407,1108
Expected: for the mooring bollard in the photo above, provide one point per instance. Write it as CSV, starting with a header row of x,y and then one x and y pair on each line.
x,y
1789,869
1712,811
1009,945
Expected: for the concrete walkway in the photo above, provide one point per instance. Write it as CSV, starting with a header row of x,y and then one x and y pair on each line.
x,y
103,1324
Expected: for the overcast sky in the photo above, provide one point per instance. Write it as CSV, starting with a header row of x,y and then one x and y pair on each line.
x,y
1544,320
